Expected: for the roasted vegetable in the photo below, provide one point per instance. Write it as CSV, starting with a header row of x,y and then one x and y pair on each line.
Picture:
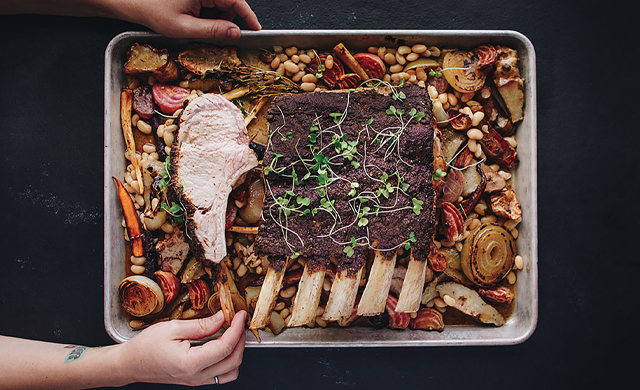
x,y
427,319
453,186
126,103
506,204
199,293
348,81
437,80
469,302
453,221
143,101
131,220
452,256
494,112
201,59
462,71
169,284
436,260
495,182
329,76
140,296
426,63
509,83
396,320
497,148
459,120
498,294
169,98
146,59
276,324
469,203
252,210
488,254
193,271
347,58
487,55
372,65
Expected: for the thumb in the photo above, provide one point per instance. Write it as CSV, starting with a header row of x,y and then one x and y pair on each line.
x,y
199,328
193,27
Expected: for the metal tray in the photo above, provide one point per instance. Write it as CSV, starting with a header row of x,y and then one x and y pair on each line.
x,y
520,325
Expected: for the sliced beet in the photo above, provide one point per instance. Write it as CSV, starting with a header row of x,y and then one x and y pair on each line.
x,y
169,98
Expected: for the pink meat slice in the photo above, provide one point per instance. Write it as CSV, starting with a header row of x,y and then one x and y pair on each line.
x,y
211,154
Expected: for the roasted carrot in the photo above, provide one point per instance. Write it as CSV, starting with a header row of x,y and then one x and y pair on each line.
x,y
131,220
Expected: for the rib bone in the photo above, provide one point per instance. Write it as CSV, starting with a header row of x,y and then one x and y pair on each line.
x,y
343,295
374,297
267,298
411,292
307,298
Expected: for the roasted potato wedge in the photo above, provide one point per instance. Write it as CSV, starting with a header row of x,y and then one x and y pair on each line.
x,y
509,83
201,59
147,59
469,302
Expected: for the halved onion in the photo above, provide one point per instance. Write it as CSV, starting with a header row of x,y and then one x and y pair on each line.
x,y
488,255
141,296
461,69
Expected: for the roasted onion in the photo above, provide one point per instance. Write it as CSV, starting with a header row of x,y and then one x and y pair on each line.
x,y
252,210
488,255
141,296
461,69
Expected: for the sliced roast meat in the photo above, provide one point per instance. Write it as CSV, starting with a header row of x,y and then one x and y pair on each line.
x,y
211,153
173,252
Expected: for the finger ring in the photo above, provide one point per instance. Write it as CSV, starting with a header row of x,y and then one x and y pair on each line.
x,y
216,379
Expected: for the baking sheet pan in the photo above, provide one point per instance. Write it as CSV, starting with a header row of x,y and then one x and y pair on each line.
x,y
520,325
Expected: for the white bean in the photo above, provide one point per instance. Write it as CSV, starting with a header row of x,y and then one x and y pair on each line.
x,y
144,127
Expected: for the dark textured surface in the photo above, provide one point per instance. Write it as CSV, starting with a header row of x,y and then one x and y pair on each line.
x,y
390,220
51,196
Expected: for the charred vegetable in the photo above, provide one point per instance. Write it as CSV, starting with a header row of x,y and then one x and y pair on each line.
x,y
169,284
252,209
488,255
329,76
141,296
347,58
469,302
497,148
131,220
509,83
427,319
462,71
146,59
372,65
202,59
143,101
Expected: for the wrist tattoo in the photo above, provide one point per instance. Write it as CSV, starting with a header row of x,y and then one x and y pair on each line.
x,y
77,352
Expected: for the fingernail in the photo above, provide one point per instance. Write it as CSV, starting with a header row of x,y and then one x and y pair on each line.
x,y
233,33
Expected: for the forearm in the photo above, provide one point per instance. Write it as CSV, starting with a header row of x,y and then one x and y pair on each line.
x,y
40,365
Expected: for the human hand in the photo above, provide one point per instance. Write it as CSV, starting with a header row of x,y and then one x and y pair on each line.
x,y
162,353
182,18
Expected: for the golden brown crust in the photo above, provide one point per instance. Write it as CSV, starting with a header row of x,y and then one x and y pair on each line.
x,y
509,83
201,59
147,59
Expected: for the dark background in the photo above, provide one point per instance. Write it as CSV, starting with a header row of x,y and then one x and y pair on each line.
x,y
51,129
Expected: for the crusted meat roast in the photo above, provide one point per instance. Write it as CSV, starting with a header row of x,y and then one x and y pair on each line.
x,y
348,169
211,153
